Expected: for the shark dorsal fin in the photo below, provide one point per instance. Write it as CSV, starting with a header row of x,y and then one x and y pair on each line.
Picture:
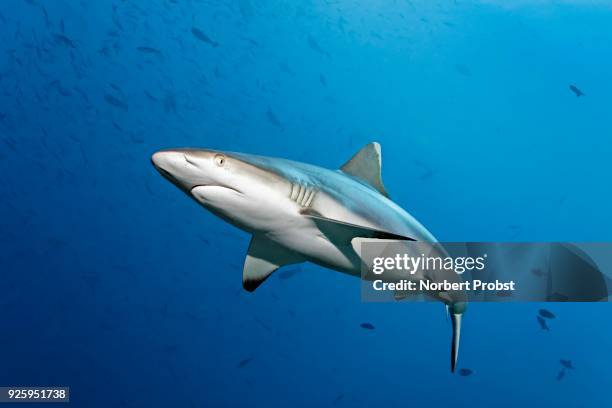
x,y
366,165
263,258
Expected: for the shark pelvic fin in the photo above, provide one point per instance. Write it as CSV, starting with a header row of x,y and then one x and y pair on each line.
x,y
263,258
345,231
366,165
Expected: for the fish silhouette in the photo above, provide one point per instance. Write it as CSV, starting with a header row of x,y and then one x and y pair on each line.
x,y
547,314
561,375
577,91
244,362
543,324
464,372
200,35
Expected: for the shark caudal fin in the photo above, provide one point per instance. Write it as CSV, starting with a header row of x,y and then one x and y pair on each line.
x,y
456,322
455,311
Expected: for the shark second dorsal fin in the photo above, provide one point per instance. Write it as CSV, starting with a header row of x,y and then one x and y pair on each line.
x,y
263,258
366,165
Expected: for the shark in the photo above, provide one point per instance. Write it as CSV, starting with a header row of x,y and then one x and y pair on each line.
x,y
298,212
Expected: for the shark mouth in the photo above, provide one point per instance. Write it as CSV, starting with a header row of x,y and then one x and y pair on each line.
x,y
166,174
205,186
206,191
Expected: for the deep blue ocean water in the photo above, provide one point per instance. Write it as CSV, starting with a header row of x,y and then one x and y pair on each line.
x,y
114,283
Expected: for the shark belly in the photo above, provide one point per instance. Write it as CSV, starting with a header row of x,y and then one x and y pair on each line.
x,y
309,242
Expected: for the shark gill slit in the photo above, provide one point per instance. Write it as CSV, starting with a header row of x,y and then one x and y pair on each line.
x,y
293,193
310,198
306,197
301,194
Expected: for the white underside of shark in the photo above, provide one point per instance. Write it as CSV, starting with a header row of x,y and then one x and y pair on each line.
x,y
297,212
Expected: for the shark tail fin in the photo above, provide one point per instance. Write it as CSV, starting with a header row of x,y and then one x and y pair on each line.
x,y
456,322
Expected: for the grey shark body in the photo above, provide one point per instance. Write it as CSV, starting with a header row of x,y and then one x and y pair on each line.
x,y
298,212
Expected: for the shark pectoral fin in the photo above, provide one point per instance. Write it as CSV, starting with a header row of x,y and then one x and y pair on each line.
x,y
366,165
264,257
344,231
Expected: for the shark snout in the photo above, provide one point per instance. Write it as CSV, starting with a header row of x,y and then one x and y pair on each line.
x,y
165,159
177,166
167,162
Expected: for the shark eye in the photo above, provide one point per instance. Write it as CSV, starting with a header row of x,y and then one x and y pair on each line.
x,y
220,160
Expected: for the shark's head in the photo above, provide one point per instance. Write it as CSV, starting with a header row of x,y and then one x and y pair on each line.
x,y
225,183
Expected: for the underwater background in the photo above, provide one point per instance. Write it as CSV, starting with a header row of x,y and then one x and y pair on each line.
x,y
114,283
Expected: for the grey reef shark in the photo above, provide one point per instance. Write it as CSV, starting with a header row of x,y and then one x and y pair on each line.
x,y
298,212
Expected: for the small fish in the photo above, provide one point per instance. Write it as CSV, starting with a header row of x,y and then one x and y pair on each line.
x,y
63,40
427,171
561,375
312,43
82,93
547,314
245,8
515,230
537,272
199,34
577,91
45,13
567,364
463,70
543,324
286,68
149,50
169,102
111,100
288,274
323,80
464,372
376,35
150,96
191,316
116,88
367,326
262,324
244,362
337,400
271,116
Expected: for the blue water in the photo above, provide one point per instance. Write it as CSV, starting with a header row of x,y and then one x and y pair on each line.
x,y
114,283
